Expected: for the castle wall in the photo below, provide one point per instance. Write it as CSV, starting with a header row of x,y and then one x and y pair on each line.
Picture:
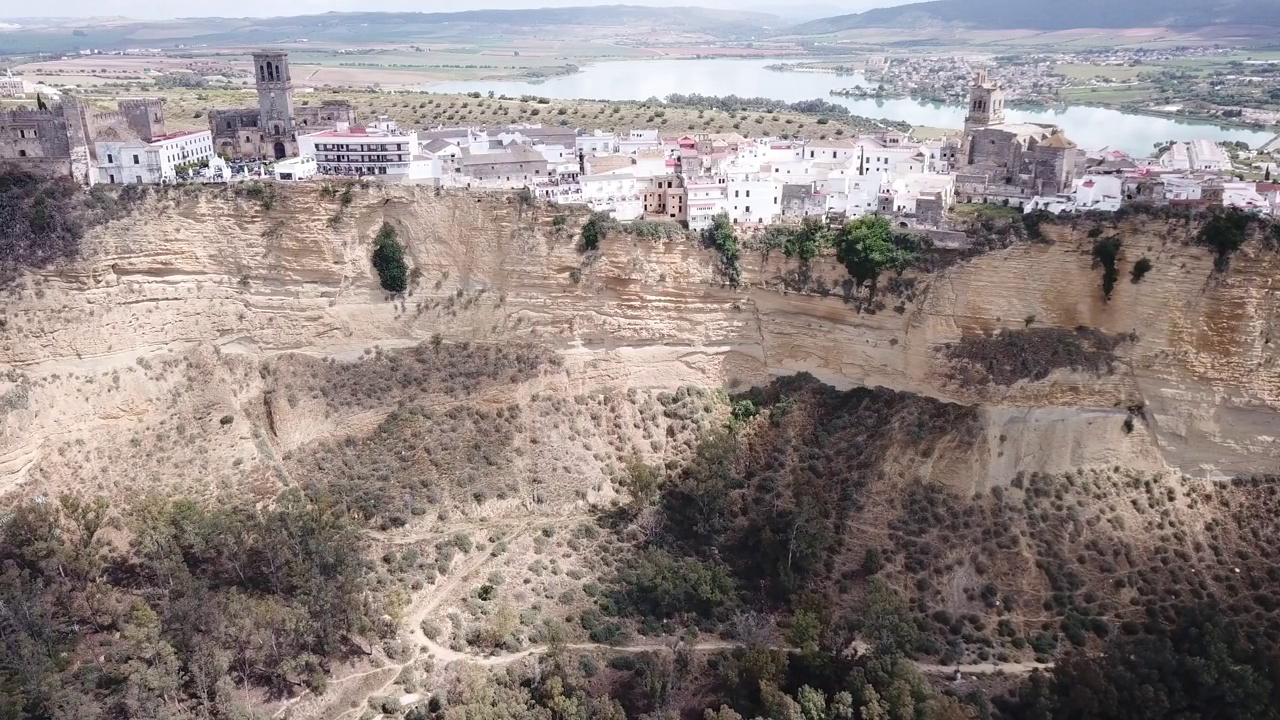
x,y
144,116
996,149
33,134
326,115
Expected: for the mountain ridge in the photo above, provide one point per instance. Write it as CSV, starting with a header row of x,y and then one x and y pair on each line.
x,y
1043,15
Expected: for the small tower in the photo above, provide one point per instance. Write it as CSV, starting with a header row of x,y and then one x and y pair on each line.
x,y
275,101
986,103
145,116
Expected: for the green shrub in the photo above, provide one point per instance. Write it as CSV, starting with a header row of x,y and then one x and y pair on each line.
x,y
388,260
867,247
743,410
1140,269
659,585
872,561
721,236
596,229
1107,251
1223,233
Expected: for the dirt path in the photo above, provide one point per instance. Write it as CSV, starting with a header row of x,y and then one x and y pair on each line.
x,y
468,571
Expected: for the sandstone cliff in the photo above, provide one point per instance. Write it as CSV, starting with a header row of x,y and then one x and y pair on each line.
x,y
170,316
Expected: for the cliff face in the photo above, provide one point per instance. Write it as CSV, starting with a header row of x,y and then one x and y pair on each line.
x,y
173,310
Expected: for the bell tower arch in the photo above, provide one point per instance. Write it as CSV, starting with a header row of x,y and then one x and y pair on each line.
x,y
986,103
275,97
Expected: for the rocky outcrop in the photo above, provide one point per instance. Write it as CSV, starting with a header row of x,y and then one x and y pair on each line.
x,y
211,283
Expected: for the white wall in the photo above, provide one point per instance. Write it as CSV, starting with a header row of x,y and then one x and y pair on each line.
x,y
597,143
136,161
754,201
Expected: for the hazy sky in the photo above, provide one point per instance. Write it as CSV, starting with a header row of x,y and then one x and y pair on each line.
x,y
156,9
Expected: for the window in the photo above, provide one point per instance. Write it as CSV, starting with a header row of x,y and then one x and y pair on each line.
x,y
135,159
22,153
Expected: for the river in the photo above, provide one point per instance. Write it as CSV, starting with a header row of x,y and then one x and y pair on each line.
x,y
1090,127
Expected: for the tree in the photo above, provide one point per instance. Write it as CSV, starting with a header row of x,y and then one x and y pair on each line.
x,y
886,623
595,230
866,247
1200,667
722,237
388,260
806,242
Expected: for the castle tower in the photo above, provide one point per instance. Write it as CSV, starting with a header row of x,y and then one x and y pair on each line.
x,y
986,103
145,116
275,103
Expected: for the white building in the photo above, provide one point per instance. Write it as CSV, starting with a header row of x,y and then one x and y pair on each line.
x,y
12,87
638,140
151,163
1197,155
295,169
1099,192
848,192
906,191
599,142
754,201
619,195
832,150
707,197
1208,155
443,149
360,151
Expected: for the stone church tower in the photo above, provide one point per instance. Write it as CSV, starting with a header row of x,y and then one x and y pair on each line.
x,y
986,103
275,104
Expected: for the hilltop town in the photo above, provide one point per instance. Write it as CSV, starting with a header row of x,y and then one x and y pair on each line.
x,y
644,173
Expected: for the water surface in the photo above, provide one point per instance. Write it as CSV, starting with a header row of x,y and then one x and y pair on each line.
x,y
1090,127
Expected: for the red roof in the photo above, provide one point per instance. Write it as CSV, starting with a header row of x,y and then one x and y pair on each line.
x,y
356,132
176,135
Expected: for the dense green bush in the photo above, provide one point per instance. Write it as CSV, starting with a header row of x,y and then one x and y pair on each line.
x,y
182,614
658,585
867,247
1140,269
596,229
1199,666
722,237
1224,232
388,260
1107,252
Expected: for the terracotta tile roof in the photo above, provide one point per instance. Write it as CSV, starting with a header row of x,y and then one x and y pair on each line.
x,y
1058,141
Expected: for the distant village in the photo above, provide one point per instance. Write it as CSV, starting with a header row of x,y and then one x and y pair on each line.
x,y
644,173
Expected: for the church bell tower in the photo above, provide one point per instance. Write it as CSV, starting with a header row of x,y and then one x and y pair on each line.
x,y
986,103
275,100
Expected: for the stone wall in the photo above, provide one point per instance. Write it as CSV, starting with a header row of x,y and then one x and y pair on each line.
x,y
312,118
997,151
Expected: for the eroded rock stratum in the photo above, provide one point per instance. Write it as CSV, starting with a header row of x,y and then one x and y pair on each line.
x,y
203,306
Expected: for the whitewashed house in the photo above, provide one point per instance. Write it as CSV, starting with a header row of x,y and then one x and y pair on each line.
x,y
597,143
754,201
152,162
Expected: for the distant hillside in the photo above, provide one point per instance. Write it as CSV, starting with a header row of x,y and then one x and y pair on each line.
x,y
1052,15
57,35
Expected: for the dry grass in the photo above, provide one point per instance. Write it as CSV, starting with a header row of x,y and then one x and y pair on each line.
x,y
187,109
